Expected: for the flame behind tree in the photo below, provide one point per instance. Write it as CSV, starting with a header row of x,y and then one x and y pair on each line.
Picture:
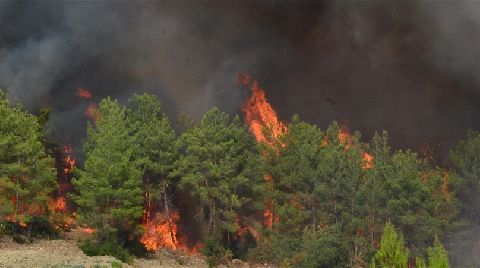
x,y
109,187
262,119
220,171
26,174
92,108
348,141
156,147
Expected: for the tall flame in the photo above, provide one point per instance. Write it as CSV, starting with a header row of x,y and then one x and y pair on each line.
x,y
259,113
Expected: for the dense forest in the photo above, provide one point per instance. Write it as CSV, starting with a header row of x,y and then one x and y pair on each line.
x,y
294,195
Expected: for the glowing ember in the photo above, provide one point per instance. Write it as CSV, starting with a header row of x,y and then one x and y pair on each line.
x,y
84,94
87,230
92,112
367,160
68,161
61,204
347,140
92,109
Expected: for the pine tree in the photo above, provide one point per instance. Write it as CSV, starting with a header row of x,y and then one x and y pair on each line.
x,y
156,147
392,252
109,187
27,175
466,166
437,256
220,168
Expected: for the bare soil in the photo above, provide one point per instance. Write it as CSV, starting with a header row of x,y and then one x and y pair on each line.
x,y
63,253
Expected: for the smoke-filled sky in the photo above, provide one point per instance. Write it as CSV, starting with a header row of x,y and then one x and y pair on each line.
x,y
410,68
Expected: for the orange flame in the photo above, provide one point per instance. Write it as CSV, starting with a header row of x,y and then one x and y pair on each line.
x,y
162,231
259,113
83,93
159,233
367,161
68,162
61,204
347,140
92,109
92,112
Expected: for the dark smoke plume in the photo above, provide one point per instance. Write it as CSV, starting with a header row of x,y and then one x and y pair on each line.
x,y
410,68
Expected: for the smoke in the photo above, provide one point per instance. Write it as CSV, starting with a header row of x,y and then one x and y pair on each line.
x,y
409,67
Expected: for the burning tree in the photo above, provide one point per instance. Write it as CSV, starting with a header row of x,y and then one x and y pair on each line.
x,y
220,168
157,153
27,175
109,187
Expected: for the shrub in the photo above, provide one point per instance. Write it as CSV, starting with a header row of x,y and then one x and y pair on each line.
x,y
321,247
214,251
106,247
116,264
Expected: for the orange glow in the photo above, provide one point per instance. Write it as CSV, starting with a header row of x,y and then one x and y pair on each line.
x,y
68,161
83,94
444,188
347,140
87,230
367,161
61,204
92,112
241,231
92,109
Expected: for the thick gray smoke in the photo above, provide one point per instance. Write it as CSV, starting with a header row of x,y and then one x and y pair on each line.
x,y
410,68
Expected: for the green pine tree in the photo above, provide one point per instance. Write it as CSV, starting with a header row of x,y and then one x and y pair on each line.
x,y
220,168
392,252
156,148
437,256
109,187
466,168
27,174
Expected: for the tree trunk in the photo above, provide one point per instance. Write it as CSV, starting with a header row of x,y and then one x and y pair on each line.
x,y
17,205
167,210
211,224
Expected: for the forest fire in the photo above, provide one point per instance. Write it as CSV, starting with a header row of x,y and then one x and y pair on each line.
x,y
259,115
162,232
67,164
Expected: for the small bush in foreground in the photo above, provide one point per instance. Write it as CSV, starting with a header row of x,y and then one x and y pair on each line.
x,y
111,248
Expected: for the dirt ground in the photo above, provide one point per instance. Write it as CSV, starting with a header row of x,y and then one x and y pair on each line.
x,y
65,253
